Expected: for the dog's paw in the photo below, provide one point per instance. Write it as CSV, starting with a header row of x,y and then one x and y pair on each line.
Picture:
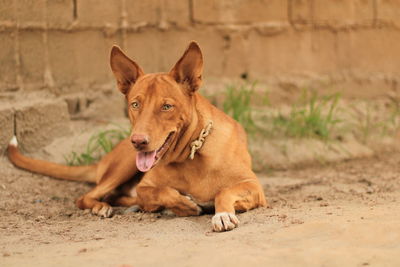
x,y
224,221
195,209
186,208
198,209
103,210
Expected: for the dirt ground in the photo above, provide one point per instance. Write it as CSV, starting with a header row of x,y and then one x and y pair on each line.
x,y
346,214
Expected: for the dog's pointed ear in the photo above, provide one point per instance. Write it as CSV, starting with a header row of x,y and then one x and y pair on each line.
x,y
125,70
189,68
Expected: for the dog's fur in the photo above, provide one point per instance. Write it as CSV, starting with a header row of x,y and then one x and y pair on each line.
x,y
167,115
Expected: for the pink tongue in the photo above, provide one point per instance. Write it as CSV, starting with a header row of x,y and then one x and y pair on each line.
x,y
145,160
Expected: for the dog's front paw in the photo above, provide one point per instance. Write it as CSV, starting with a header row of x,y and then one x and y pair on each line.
x,y
224,221
189,208
102,209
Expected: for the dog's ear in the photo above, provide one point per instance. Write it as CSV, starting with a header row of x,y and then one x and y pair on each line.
x,y
125,70
188,70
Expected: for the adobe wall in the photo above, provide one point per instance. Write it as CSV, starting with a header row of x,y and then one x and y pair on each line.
x,y
63,45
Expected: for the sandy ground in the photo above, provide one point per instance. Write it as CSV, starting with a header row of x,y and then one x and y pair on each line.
x,y
337,215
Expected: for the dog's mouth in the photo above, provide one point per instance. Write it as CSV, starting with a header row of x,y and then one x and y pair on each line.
x,y
147,160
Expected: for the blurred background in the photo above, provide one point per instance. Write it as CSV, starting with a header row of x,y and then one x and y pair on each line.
x,y
63,45
267,63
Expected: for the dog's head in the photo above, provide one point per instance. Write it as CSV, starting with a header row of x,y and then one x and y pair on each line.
x,y
160,104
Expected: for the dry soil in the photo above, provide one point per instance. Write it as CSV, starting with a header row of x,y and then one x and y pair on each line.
x,y
345,214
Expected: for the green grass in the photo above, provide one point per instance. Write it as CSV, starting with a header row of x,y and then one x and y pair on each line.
x,y
239,103
368,122
98,145
392,124
365,124
311,117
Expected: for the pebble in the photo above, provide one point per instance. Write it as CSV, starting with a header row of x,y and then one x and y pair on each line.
x,y
40,218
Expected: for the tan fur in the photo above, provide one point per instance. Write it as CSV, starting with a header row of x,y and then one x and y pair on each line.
x,y
220,172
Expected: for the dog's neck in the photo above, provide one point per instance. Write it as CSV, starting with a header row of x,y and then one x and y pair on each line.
x,y
190,133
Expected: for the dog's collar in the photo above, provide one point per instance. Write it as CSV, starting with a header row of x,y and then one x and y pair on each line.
x,y
198,143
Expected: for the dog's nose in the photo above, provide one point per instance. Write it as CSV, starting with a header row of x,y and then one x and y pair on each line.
x,y
139,141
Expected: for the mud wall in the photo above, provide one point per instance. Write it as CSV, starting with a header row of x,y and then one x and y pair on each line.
x,y
63,45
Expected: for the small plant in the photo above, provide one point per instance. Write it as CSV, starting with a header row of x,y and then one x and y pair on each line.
x,y
365,123
99,144
238,104
370,121
313,117
393,121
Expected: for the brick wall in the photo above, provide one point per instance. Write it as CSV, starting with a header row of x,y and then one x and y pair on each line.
x,y
63,45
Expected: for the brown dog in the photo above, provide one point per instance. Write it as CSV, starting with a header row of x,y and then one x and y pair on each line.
x,y
191,153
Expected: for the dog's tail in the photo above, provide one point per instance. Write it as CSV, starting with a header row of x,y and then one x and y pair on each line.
x,y
74,173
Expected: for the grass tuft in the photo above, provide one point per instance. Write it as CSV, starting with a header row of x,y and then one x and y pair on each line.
x,y
98,145
394,117
239,104
313,117
370,121
310,117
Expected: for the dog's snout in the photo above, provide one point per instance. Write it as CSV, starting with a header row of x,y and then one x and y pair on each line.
x,y
139,141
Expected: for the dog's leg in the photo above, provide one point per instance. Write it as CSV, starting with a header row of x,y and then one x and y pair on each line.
x,y
91,200
125,195
240,197
115,169
125,201
155,198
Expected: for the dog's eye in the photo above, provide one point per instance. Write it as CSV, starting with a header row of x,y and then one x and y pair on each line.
x,y
135,105
166,107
